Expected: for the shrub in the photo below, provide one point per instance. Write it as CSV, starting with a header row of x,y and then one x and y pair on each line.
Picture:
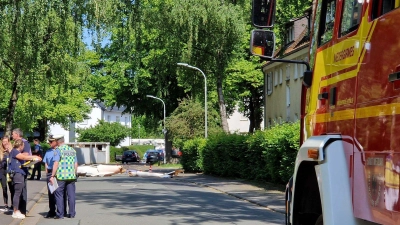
x,y
192,155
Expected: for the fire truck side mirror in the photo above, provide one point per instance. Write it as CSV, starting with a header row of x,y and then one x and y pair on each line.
x,y
262,43
263,13
307,79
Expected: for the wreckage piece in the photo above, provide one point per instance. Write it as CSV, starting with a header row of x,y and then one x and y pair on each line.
x,y
138,173
99,170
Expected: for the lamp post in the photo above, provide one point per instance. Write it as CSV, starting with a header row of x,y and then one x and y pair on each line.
x,y
205,93
164,130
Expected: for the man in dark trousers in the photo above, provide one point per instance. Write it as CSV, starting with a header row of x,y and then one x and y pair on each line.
x,y
38,166
17,134
64,171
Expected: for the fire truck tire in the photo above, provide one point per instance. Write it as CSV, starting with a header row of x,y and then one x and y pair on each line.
x,y
320,221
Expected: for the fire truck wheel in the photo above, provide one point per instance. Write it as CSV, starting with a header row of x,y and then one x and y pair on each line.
x,y
320,221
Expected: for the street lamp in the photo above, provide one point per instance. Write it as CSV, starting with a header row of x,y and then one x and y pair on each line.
x,y
164,130
205,93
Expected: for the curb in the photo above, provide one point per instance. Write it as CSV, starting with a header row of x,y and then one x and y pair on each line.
x,y
30,205
236,196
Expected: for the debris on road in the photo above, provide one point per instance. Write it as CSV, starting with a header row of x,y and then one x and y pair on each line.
x,y
99,170
138,173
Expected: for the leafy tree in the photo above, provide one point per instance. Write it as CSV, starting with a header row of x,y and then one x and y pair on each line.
x,y
187,122
40,46
104,132
210,32
245,83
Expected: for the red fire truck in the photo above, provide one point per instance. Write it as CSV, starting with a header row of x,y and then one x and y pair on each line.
x,y
347,170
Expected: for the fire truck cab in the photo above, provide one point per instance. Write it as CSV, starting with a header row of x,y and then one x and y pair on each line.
x,y
347,170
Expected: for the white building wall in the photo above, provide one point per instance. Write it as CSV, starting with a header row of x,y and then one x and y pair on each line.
x,y
238,123
95,115
276,108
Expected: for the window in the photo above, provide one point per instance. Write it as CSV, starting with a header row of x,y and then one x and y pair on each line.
x,y
327,21
295,71
269,83
108,118
126,121
351,16
280,76
289,34
381,7
276,78
117,119
287,96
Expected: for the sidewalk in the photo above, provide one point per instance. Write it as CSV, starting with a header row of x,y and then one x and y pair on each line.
x,y
273,200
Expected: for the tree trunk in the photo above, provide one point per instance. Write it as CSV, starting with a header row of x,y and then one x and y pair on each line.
x,y
11,106
222,107
251,115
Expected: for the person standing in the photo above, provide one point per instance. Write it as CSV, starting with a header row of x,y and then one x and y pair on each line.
x,y
17,134
65,168
49,162
38,166
5,148
17,159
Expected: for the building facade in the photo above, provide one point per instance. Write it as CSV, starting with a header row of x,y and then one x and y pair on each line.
x,y
99,112
283,81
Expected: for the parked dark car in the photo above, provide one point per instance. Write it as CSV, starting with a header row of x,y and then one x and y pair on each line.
x,y
130,156
152,156
161,154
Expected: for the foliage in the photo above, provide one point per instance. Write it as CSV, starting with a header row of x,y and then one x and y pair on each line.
x,y
223,154
187,122
246,82
265,155
192,155
103,132
40,64
281,146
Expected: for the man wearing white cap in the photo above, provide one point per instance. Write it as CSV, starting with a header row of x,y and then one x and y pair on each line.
x,y
64,170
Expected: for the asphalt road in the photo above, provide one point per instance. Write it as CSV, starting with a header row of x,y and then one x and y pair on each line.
x,y
142,200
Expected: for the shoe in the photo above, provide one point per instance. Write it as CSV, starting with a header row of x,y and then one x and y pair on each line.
x,y
4,209
58,218
49,215
30,179
18,215
71,216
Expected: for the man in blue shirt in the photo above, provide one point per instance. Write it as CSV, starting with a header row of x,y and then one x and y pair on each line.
x,y
48,162
17,134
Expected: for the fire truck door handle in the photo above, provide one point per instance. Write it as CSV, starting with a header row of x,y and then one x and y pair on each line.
x,y
332,96
394,76
323,95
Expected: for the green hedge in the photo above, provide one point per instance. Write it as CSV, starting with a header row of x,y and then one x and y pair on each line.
x,y
192,155
265,155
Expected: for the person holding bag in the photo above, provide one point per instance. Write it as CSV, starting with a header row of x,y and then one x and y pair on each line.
x,y
17,174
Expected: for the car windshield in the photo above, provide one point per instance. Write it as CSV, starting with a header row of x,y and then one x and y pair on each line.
x,y
128,153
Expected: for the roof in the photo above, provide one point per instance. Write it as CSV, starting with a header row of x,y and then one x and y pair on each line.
x,y
301,42
109,108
